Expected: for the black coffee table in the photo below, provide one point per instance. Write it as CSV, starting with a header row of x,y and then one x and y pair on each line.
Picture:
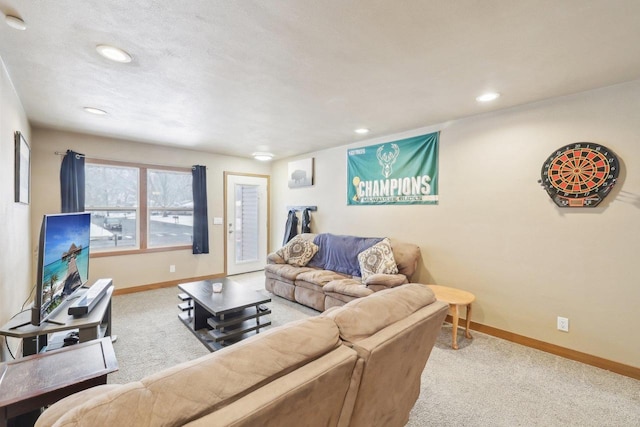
x,y
220,319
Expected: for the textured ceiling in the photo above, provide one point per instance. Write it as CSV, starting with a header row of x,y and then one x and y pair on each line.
x,y
293,76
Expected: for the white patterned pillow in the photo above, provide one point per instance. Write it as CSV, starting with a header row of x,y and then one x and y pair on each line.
x,y
298,251
378,259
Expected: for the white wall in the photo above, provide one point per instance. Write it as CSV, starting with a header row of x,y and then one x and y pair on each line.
x,y
149,268
15,250
496,233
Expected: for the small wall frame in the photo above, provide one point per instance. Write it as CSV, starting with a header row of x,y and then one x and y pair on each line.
x,y
300,173
22,169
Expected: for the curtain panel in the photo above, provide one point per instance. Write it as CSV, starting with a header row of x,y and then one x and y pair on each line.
x,y
200,217
72,182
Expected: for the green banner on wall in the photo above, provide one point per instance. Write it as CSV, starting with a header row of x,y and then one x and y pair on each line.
x,y
403,172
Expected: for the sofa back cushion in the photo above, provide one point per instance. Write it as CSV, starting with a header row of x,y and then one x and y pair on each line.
x,y
364,317
193,389
406,256
320,393
340,253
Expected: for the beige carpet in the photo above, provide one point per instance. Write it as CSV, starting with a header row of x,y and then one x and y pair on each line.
x,y
487,382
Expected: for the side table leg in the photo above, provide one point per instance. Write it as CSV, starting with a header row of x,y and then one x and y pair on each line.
x,y
467,333
454,333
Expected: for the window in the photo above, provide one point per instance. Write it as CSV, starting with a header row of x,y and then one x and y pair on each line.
x,y
138,208
170,202
246,229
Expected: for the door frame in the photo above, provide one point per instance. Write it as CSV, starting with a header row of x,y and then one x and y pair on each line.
x,y
226,200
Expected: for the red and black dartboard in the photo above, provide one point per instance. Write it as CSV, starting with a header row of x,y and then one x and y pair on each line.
x,y
580,174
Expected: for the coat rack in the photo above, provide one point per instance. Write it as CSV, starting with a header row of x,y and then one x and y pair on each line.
x,y
291,228
301,208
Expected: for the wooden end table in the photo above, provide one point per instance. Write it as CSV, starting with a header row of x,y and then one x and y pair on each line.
x,y
32,382
455,298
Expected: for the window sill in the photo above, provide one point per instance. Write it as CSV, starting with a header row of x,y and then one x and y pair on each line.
x,y
138,251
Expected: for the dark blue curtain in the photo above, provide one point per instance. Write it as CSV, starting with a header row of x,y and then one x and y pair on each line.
x,y
72,182
200,218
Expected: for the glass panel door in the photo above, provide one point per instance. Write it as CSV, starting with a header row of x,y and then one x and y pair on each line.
x,y
246,223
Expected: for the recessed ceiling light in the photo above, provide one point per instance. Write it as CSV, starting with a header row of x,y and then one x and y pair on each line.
x,y
15,22
362,131
489,96
262,156
113,53
96,111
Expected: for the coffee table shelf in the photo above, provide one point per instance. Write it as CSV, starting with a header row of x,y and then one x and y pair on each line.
x,y
229,320
202,334
220,319
236,330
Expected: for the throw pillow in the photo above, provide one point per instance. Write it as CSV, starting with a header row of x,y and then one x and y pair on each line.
x,y
298,251
378,259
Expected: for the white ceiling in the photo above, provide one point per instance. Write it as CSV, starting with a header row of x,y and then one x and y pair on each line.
x,y
293,76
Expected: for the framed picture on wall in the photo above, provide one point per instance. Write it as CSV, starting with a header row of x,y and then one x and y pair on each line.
x,y
300,173
22,169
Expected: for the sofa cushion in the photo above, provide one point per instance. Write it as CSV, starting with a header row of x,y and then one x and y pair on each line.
x,y
406,256
285,271
54,412
378,259
350,287
364,317
317,278
340,253
298,252
382,281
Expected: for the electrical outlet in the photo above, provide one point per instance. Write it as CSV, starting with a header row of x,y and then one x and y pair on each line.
x,y
563,324
172,268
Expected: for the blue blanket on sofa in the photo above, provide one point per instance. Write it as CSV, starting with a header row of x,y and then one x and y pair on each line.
x,y
340,253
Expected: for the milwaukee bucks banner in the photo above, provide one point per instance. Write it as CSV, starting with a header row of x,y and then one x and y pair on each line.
x,y
403,172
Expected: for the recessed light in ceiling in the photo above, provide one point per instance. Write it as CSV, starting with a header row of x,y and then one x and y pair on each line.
x,y
262,156
15,22
362,131
95,111
113,53
489,96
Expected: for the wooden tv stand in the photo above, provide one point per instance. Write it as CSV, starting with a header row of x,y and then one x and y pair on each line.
x,y
95,324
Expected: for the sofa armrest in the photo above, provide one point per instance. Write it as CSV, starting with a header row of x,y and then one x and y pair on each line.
x,y
378,282
275,258
54,412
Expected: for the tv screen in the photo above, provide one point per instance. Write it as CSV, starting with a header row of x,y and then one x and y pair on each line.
x,y
63,260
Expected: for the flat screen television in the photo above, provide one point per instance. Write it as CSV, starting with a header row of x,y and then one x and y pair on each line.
x,y
63,262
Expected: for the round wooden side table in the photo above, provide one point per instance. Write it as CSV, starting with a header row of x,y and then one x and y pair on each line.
x,y
455,298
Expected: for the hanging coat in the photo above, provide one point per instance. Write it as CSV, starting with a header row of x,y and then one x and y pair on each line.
x,y
291,229
306,221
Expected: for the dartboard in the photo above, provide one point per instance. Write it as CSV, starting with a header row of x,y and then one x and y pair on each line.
x,y
580,174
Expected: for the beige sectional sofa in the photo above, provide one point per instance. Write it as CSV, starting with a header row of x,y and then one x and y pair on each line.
x,y
357,365
321,288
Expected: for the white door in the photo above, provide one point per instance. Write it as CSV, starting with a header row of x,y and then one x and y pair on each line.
x,y
246,222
